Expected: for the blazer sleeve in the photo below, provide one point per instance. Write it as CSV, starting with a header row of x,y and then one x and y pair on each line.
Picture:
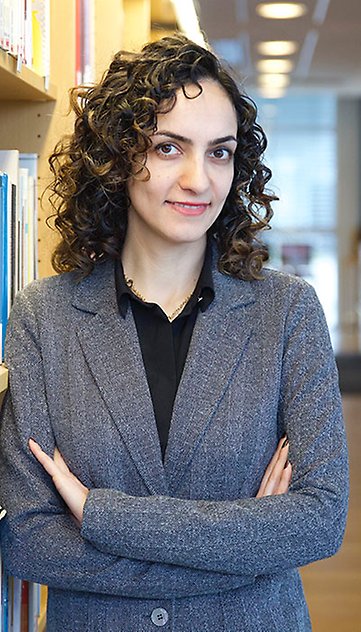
x,y
39,540
253,536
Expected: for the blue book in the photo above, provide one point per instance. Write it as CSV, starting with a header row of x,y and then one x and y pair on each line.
x,y
4,259
4,600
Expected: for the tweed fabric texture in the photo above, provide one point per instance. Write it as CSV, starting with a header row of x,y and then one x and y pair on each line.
x,y
187,535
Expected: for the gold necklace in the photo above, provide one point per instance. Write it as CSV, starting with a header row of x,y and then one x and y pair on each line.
x,y
130,284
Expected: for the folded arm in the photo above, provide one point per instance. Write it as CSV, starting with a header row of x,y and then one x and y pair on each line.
x,y
256,535
40,540
182,546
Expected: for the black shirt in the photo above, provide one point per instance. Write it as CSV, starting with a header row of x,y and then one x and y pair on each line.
x,y
164,345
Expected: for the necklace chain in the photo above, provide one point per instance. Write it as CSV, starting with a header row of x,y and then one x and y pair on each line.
x,y
130,284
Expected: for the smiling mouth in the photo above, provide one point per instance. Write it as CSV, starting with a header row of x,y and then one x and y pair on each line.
x,y
189,208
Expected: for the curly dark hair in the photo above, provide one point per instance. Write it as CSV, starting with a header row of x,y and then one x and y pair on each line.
x,y
114,120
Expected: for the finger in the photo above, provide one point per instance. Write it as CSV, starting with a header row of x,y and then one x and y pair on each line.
x,y
45,460
277,471
58,459
282,444
285,480
280,453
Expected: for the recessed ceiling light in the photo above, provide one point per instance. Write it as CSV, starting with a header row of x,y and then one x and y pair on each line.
x,y
277,47
281,10
187,20
274,65
274,80
269,92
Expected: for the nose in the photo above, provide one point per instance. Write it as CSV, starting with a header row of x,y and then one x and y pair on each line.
x,y
194,175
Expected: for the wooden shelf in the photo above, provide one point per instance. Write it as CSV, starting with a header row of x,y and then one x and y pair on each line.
x,y
3,379
25,85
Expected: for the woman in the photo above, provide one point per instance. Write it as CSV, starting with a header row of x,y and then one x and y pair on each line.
x,y
157,377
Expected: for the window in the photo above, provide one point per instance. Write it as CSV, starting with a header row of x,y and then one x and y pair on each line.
x,y
302,155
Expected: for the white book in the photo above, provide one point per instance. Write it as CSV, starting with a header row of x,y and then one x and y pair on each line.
x,y
30,162
16,606
34,606
23,227
5,24
28,33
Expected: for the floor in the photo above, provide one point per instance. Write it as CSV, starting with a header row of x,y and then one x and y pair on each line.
x,y
333,586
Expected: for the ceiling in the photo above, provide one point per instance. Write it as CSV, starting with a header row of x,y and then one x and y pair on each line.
x,y
328,38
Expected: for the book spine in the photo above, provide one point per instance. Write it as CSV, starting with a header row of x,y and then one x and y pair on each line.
x,y
4,600
19,600
3,259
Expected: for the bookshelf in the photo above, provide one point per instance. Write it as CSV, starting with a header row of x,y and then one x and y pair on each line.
x,y
33,115
3,380
32,118
24,85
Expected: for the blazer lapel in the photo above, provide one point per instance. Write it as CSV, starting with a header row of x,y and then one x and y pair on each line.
x,y
110,346
220,337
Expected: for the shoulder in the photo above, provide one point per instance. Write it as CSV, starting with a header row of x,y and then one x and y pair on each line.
x,y
292,299
279,298
45,291
35,307
274,288
283,286
53,299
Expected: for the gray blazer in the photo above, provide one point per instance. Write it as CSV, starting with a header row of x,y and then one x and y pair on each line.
x,y
185,545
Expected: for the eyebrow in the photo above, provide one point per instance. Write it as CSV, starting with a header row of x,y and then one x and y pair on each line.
x,y
184,139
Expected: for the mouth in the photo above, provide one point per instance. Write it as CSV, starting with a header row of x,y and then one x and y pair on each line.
x,y
189,208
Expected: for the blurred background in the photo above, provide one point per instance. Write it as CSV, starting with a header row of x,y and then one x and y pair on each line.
x,y
301,62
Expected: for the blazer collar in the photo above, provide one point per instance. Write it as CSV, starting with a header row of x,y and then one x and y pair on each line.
x,y
96,293
110,346
221,336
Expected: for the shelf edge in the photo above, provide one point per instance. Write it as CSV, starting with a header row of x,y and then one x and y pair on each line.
x,y
3,379
26,78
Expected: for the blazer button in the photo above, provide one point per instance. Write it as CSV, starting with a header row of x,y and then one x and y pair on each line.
x,y
159,616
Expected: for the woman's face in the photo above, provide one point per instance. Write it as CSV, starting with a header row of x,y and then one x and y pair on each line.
x,y
191,169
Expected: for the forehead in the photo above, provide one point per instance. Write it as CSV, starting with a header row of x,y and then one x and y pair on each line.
x,y
209,110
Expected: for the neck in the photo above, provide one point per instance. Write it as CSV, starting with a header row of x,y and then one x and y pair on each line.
x,y
163,273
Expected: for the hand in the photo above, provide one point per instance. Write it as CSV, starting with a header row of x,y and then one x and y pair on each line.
x,y
69,487
277,477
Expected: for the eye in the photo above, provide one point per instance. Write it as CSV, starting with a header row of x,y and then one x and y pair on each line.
x,y
222,153
166,149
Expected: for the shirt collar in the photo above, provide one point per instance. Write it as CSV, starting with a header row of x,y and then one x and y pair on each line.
x,y
202,296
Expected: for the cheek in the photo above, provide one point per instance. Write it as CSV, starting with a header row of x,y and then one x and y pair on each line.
x,y
138,193
225,184
153,189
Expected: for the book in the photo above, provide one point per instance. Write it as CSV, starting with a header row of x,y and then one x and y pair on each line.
x,y
9,164
84,41
34,606
24,607
30,162
15,612
4,268
18,247
19,599
5,21
4,583
41,38
25,33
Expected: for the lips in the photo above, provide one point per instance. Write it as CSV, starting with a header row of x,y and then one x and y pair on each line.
x,y
189,208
